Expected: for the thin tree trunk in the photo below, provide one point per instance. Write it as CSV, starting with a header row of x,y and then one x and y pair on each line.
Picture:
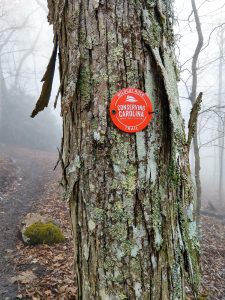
x,y
3,95
193,97
130,195
221,125
222,166
197,178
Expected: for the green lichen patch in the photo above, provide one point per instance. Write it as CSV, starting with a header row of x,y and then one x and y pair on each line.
x,y
44,233
84,83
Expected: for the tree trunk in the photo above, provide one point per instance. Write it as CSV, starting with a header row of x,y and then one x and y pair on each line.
x,y
193,96
197,179
221,121
130,195
3,99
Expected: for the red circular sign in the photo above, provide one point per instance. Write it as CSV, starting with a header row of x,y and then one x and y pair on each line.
x,y
131,110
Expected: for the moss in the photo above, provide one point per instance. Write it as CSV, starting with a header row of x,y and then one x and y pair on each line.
x,y
174,173
95,123
203,297
84,83
44,233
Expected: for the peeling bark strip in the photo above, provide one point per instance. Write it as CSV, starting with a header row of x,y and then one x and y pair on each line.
x,y
130,195
47,85
193,121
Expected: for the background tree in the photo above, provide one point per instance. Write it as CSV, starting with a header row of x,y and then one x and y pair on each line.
x,y
221,120
198,73
130,195
193,97
17,64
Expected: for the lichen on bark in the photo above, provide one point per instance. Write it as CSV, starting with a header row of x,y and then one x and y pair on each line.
x,y
130,194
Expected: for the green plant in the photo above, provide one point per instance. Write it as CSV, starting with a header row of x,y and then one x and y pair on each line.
x,y
44,233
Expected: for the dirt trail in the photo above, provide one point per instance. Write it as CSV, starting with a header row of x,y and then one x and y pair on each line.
x,y
33,169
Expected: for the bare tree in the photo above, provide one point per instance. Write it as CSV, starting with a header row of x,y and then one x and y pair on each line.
x,y
221,122
15,101
23,59
193,96
191,85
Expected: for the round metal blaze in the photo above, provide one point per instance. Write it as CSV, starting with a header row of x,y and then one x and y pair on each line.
x,y
131,110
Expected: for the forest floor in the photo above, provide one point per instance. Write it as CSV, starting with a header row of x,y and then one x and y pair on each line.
x,y
29,184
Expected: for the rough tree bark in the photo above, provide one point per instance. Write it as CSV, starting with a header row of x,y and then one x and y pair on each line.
x,y
130,195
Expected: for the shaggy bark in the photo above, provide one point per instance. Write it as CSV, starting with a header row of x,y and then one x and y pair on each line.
x,y
130,195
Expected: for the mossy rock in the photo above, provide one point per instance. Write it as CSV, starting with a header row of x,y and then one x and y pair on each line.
x,y
44,233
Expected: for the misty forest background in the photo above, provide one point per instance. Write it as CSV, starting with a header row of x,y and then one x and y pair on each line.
x,y
25,48
26,41
26,45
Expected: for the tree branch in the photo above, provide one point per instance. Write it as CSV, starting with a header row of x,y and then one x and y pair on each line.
x,y
42,5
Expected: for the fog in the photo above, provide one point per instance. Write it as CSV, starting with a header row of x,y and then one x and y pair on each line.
x,y
25,48
211,15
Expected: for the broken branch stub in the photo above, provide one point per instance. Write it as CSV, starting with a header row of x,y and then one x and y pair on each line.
x,y
193,121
